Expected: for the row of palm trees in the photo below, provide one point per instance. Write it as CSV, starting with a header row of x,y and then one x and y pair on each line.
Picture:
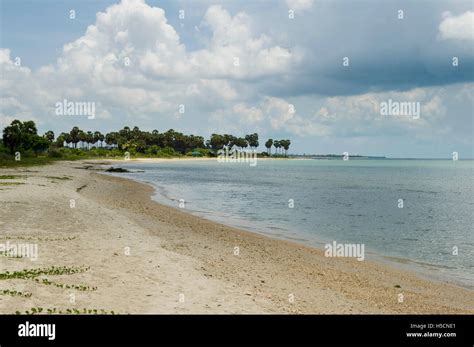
x,y
279,145
128,138
24,135
77,136
134,138
218,141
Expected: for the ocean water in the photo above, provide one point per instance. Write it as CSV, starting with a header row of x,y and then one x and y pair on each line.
x,y
355,201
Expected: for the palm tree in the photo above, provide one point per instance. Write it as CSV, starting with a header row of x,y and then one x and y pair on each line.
x,y
67,138
89,139
217,142
97,136
82,137
74,133
12,135
136,133
61,139
252,140
29,128
169,138
269,145
126,133
241,142
112,138
286,145
49,135
277,145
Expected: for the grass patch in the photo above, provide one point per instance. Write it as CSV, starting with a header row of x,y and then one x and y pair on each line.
x,y
37,161
8,177
15,293
31,238
25,161
33,273
39,310
65,286
11,183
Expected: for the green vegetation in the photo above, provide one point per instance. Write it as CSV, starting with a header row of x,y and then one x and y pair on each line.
x,y
22,136
9,161
37,310
22,146
65,286
8,177
15,293
31,238
33,273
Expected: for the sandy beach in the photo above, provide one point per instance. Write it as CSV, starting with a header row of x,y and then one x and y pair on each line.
x,y
134,255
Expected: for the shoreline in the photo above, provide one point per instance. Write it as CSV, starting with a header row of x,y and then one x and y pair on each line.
x,y
397,261
174,252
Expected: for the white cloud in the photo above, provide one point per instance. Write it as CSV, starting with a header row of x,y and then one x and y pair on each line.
x,y
131,59
354,116
457,27
360,115
129,43
221,88
238,119
163,73
248,115
300,5
17,99
235,52
270,111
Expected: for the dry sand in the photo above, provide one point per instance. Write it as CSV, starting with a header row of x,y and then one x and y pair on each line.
x,y
148,258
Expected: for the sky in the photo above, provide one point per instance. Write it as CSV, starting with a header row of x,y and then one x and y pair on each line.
x,y
316,72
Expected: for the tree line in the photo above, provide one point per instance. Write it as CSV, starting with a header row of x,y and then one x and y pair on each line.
x,y
24,136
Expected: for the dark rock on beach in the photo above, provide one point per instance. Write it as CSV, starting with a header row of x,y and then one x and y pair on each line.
x,y
116,169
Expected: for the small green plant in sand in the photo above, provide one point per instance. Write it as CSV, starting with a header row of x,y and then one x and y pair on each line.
x,y
39,310
11,183
15,293
32,238
65,286
33,273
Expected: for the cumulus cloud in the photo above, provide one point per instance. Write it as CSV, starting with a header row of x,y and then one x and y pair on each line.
x,y
242,74
132,42
17,99
457,27
128,38
354,116
131,59
234,50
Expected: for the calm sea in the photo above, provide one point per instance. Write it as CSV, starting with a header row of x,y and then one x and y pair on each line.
x,y
355,201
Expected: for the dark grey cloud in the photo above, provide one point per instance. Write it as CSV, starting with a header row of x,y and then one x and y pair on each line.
x,y
386,53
